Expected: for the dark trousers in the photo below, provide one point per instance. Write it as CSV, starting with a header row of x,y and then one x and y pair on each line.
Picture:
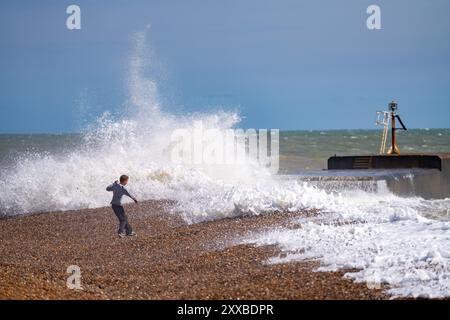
x,y
124,226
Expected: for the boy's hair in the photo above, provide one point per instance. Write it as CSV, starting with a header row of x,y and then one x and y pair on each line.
x,y
123,178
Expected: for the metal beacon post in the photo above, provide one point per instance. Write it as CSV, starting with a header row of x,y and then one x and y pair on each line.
x,y
383,118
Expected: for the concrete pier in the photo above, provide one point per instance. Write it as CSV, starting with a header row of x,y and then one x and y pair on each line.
x,y
425,175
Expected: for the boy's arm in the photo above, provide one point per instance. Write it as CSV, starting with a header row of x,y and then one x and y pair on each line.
x,y
125,191
110,187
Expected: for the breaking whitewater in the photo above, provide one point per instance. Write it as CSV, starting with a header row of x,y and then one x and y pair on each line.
x,y
400,243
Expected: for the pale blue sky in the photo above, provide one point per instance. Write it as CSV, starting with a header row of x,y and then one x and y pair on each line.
x,y
294,64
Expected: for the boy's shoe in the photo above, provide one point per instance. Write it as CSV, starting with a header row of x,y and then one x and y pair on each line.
x,y
132,234
121,235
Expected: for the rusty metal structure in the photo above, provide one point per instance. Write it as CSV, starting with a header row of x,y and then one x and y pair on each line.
x,y
420,174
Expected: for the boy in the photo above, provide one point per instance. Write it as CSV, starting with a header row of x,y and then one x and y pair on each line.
x,y
119,190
